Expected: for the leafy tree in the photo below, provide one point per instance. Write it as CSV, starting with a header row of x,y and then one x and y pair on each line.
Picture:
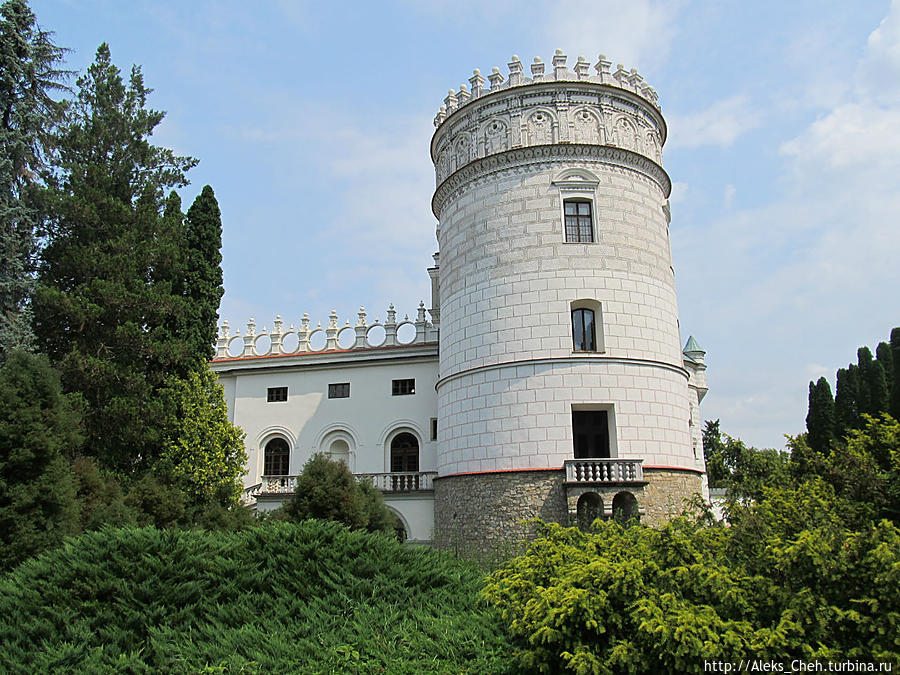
x,y
820,419
327,490
203,451
29,73
100,313
202,280
39,428
741,469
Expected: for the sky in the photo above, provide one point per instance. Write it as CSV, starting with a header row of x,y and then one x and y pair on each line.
x,y
312,123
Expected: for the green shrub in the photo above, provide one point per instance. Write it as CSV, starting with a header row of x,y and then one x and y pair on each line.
x,y
327,490
311,597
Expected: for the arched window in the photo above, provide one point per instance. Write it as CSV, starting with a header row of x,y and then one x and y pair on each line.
x,y
584,334
276,458
339,450
404,452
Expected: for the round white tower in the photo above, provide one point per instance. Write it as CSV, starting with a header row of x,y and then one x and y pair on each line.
x,y
562,388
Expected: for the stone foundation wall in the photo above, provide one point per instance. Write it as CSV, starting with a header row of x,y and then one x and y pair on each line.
x,y
477,514
667,494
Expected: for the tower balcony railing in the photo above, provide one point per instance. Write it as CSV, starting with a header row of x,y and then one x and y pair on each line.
x,y
597,470
394,481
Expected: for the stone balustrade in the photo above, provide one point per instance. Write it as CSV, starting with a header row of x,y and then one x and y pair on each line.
x,y
395,481
604,470
333,337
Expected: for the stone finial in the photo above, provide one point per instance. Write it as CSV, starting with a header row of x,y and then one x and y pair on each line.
x,y
304,322
477,81
441,116
621,74
559,65
251,327
582,68
634,79
537,69
391,314
496,78
515,72
603,65
223,331
333,319
451,101
361,317
463,96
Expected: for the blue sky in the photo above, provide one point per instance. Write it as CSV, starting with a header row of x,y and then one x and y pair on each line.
x,y
312,124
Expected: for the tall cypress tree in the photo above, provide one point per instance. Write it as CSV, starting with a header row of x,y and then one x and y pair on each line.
x,y
886,359
846,407
820,418
203,274
864,362
29,73
100,310
894,407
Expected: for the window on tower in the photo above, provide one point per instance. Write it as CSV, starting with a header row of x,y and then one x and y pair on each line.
x,y
578,221
587,326
583,332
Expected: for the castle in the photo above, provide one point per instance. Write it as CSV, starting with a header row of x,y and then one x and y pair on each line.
x,y
547,379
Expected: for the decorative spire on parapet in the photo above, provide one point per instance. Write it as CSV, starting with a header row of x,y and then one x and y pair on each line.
x,y
629,80
334,337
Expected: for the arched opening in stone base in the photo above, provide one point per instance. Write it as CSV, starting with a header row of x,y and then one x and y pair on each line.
x,y
625,508
588,509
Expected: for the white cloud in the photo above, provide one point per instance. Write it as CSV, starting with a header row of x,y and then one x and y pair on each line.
x,y
680,191
722,123
635,32
728,197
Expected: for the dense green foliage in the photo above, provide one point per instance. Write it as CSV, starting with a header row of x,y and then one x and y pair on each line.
x,y
201,282
864,388
820,419
38,430
203,451
786,580
745,471
326,489
99,312
29,74
304,598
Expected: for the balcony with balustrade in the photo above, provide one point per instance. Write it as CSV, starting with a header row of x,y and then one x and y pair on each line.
x,y
605,471
395,482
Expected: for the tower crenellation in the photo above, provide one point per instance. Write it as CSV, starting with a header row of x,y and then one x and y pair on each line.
x,y
629,80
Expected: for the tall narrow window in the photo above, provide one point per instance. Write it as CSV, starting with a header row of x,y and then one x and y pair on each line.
x,y
579,224
584,334
277,458
590,431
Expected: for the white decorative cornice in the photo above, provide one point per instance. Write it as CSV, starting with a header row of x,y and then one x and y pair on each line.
x,y
542,154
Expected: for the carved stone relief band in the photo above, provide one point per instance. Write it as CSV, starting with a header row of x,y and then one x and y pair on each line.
x,y
540,154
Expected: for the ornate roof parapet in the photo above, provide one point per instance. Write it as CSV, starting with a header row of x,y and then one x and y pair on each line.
x,y
629,80
334,337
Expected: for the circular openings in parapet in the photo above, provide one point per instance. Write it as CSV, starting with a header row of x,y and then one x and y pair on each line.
x,y
235,346
406,333
262,345
347,337
289,343
375,335
317,340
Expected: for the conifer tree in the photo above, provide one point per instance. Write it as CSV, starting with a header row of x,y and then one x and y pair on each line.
x,y
203,274
100,310
864,362
39,430
885,358
846,407
820,424
895,384
29,73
